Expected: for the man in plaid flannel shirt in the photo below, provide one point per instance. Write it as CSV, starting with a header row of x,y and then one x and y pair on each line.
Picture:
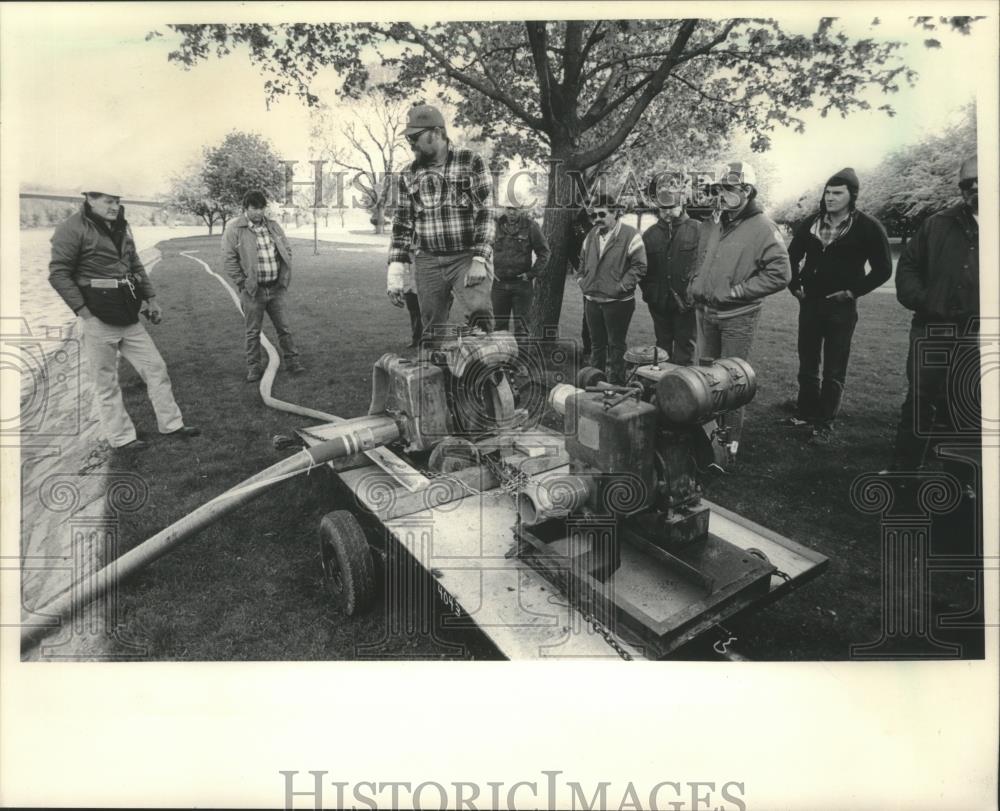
x,y
258,258
445,213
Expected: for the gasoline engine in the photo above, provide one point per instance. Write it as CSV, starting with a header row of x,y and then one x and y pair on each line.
x,y
639,458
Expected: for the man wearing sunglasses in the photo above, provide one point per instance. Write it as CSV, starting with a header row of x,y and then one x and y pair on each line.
x,y
444,214
938,278
612,262
742,259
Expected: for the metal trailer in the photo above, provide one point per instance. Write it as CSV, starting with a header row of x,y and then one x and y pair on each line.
x,y
461,528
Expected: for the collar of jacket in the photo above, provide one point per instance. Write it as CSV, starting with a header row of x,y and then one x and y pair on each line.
x,y
514,219
963,214
100,222
751,209
611,236
670,225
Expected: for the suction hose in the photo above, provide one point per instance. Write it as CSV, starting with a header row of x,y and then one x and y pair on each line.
x,y
351,437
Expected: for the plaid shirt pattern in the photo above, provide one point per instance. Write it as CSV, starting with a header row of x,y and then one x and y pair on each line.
x,y
828,233
445,210
267,254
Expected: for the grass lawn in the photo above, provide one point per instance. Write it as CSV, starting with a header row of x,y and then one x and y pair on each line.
x,y
249,587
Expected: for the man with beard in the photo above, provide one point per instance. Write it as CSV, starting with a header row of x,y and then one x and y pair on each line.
x,y
671,249
836,243
742,259
938,278
444,212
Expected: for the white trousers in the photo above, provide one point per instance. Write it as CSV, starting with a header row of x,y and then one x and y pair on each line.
x,y
102,343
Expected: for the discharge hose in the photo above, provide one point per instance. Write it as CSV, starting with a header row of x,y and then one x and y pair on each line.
x,y
351,437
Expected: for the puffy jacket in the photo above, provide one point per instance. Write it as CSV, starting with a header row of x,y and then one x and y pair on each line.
x,y
671,251
83,249
615,273
938,273
740,260
517,236
239,253
841,264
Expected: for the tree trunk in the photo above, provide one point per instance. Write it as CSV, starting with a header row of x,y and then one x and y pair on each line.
x,y
378,214
559,214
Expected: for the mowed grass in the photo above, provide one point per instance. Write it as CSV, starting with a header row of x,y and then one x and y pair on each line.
x,y
249,587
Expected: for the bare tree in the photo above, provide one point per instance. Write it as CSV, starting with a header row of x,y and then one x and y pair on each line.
x,y
366,139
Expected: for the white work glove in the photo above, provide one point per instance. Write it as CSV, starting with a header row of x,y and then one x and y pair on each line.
x,y
477,272
395,282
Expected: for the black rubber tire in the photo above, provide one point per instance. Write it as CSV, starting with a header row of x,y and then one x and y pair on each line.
x,y
589,376
348,570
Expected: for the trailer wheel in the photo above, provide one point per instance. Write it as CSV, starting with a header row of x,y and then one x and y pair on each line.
x,y
348,571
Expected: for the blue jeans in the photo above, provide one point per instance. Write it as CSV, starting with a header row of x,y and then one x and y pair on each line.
x,y
438,278
272,301
511,303
608,323
826,329
722,337
675,331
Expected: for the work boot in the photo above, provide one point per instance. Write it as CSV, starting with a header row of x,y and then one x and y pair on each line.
x,y
185,431
254,373
295,367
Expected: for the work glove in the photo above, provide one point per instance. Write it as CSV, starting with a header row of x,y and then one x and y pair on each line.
x,y
395,281
477,272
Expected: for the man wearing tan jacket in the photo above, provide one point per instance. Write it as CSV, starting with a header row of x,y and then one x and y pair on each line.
x,y
742,259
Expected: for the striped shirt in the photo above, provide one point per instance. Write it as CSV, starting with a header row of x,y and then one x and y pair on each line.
x,y
444,210
267,254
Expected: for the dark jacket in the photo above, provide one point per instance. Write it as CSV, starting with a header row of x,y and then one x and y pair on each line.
x,y
239,253
671,254
740,260
841,264
517,236
615,273
578,233
938,274
84,248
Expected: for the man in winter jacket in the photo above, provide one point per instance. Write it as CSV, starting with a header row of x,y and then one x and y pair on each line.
x,y
938,278
517,238
612,261
671,250
257,257
836,243
96,269
742,259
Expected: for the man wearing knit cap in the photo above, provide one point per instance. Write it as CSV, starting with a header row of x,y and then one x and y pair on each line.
x,y
938,278
742,259
444,215
836,242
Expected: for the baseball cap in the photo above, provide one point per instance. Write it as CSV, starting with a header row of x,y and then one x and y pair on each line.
x,y
423,117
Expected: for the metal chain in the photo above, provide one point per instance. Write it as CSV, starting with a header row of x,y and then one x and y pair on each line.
x,y
613,643
512,480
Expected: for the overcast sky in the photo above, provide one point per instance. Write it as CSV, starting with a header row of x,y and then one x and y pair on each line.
x,y
90,96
